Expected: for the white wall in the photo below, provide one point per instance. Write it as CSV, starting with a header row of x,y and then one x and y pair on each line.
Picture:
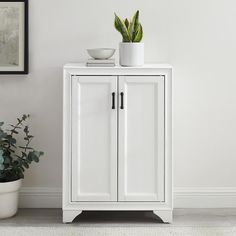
x,y
196,37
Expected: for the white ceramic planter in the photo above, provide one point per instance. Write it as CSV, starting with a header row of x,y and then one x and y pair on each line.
x,y
131,54
9,198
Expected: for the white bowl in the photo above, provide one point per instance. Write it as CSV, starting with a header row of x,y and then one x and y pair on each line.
x,y
101,53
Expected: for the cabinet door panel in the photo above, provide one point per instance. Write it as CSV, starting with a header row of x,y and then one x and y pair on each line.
x,y
141,139
94,135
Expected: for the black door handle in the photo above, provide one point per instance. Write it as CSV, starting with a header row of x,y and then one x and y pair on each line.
x,y
113,101
122,100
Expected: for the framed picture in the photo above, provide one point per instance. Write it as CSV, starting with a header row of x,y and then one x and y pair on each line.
x,y
14,37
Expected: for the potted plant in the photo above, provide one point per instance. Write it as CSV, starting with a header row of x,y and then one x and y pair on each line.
x,y
131,49
14,160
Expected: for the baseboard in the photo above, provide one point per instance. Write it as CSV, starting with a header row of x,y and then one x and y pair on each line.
x,y
40,198
183,198
205,197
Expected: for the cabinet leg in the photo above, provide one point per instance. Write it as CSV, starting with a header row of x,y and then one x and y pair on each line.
x,y
69,215
165,215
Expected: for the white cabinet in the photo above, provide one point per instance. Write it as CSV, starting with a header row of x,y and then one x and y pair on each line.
x,y
117,140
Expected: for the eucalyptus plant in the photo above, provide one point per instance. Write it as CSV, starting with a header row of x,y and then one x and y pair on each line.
x,y
131,31
14,158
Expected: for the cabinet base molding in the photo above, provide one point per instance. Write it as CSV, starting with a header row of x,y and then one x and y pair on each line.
x,y
165,215
70,215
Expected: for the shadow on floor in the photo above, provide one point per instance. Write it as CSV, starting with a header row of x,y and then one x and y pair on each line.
x,y
117,217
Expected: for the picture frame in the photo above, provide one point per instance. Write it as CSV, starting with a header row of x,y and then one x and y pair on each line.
x,y
14,57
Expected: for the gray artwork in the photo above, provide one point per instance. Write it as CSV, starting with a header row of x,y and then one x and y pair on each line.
x,y
9,36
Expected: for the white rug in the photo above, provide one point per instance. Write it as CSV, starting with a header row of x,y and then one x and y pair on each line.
x,y
117,231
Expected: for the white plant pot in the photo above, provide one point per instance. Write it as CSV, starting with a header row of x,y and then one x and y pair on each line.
x,y
131,54
9,192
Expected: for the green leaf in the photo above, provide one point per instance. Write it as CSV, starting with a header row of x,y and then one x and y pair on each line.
x,y
16,163
3,134
26,129
21,168
6,165
13,141
1,157
37,153
24,117
121,27
135,22
29,158
25,164
126,23
10,139
139,35
35,158
1,123
2,167
7,160
131,30
20,174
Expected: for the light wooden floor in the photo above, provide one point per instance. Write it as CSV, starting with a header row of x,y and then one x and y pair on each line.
x,y
182,217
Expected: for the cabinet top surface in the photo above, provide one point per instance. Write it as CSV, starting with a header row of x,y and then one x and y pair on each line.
x,y
147,69
117,67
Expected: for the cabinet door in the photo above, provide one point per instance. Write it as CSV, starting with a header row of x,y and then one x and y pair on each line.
x,y
94,138
141,138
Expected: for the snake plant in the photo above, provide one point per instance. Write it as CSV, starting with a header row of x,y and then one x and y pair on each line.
x,y
131,31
